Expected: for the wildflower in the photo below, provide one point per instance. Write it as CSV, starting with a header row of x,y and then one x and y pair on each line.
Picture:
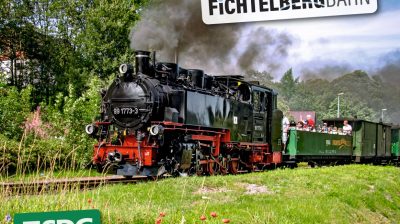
x,y
203,217
34,124
89,201
213,214
7,218
226,220
162,214
158,221
183,220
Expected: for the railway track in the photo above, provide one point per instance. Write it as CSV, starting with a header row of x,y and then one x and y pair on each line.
x,y
62,185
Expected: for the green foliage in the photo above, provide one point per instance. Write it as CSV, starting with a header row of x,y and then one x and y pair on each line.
x,y
350,108
104,41
363,97
9,151
69,116
65,42
283,106
65,143
360,87
312,95
31,155
287,85
15,106
64,46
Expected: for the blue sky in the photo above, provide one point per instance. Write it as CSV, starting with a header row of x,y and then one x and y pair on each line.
x,y
387,5
356,42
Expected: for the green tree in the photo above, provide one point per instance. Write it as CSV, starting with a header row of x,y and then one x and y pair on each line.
x,y
350,108
66,46
15,106
69,115
288,85
64,42
283,106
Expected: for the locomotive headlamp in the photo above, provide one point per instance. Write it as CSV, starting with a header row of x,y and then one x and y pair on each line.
x,y
91,129
126,69
156,129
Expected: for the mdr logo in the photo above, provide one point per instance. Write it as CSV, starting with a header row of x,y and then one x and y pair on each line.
x,y
62,217
234,11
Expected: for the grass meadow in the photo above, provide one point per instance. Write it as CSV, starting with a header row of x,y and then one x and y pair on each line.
x,y
342,194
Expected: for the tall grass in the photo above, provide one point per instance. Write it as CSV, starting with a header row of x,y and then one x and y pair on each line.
x,y
40,159
32,165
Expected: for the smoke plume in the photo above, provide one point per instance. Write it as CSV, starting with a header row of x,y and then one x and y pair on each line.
x,y
320,69
176,26
390,71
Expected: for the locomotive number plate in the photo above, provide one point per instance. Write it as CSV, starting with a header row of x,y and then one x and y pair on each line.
x,y
125,111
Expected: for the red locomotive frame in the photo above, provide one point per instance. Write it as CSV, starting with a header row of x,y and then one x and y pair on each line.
x,y
260,154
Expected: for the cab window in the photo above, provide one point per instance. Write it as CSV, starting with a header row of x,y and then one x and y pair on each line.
x,y
258,101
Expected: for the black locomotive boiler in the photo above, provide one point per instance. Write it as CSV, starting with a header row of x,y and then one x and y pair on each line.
x,y
159,118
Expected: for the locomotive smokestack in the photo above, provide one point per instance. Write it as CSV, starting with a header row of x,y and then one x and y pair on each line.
x,y
177,60
142,62
176,56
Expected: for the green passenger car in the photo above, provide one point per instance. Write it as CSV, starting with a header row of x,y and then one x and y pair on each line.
x,y
318,147
371,141
368,142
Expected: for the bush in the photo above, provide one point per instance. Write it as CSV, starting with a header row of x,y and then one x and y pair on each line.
x,y
53,136
14,108
69,115
41,154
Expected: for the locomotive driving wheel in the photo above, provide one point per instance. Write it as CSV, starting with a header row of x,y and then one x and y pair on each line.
x,y
201,167
219,167
223,166
233,165
211,164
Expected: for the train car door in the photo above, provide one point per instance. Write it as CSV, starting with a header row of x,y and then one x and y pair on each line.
x,y
357,139
369,140
259,98
380,141
388,138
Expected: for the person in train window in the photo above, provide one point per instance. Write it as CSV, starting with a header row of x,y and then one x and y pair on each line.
x,y
285,130
299,125
310,122
324,128
347,129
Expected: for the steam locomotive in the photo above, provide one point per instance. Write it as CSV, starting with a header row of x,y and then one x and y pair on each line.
x,y
158,118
